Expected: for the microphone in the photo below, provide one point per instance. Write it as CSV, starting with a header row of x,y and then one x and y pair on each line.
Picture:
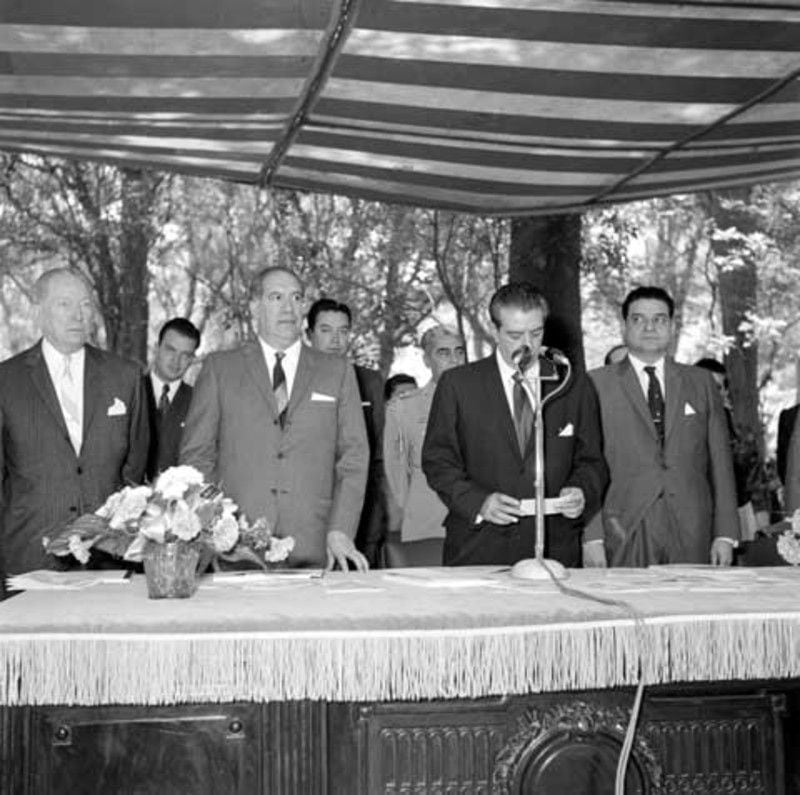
x,y
522,357
556,356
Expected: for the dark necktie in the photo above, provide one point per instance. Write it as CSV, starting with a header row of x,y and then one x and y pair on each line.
x,y
655,400
523,413
279,386
163,401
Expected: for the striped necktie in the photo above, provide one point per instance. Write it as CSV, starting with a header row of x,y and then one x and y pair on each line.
x,y
655,401
279,387
70,405
523,413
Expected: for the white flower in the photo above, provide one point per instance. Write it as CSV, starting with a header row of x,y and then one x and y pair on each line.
x,y
225,533
173,483
184,522
131,506
154,528
789,547
279,549
110,505
78,549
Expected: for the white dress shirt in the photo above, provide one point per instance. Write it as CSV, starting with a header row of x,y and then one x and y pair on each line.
x,y
289,362
644,379
71,388
158,387
507,377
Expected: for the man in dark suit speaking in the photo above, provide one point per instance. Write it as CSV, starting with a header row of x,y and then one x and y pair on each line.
x,y
73,423
479,449
168,395
279,427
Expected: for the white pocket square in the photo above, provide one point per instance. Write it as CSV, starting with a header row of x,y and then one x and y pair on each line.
x,y
567,430
322,398
688,410
117,408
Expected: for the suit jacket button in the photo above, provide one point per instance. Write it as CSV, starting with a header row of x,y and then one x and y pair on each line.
x,y
275,422
280,455
73,509
80,470
273,491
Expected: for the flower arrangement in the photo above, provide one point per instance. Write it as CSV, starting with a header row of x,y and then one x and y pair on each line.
x,y
179,507
788,543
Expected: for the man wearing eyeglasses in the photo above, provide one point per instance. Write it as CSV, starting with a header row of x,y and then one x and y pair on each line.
x,y
672,495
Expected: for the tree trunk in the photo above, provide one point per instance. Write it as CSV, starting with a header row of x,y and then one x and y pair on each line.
x,y
546,251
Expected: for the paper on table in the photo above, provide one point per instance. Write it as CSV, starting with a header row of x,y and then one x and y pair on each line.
x,y
437,578
47,580
260,579
551,505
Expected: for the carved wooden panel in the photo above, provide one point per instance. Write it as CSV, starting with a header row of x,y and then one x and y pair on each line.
x,y
295,747
191,750
718,745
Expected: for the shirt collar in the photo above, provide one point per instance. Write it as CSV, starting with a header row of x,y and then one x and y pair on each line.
x,y
639,365
55,359
292,353
159,384
507,371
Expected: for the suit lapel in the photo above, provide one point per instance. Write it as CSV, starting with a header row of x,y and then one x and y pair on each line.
x,y
40,377
496,396
302,380
256,367
93,391
674,398
632,388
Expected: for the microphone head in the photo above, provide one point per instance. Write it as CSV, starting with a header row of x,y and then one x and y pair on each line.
x,y
556,356
522,357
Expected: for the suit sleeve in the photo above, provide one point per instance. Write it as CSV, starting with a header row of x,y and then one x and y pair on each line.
x,y
352,458
784,435
442,458
200,440
723,482
133,469
589,470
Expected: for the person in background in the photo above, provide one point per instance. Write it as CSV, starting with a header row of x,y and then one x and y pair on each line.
x,y
479,449
279,427
616,354
787,421
73,424
672,495
329,325
168,395
399,384
416,532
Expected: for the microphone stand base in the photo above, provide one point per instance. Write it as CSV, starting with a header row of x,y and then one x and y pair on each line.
x,y
538,569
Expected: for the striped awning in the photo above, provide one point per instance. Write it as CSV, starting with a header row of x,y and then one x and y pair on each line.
x,y
489,106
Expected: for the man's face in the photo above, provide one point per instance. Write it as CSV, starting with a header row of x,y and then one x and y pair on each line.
x,y
518,328
331,333
648,329
65,313
446,351
280,310
174,354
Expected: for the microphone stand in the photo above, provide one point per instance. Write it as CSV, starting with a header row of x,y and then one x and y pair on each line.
x,y
538,568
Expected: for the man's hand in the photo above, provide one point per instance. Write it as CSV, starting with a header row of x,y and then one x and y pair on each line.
x,y
574,501
721,552
499,508
341,549
594,555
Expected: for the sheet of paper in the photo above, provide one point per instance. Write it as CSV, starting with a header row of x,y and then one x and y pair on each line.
x,y
551,505
47,580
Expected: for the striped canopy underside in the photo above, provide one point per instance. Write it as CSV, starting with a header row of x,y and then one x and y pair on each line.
x,y
489,106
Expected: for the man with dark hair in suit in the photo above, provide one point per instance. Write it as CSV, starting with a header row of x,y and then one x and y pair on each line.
x,y
672,495
479,449
278,425
168,395
73,424
329,326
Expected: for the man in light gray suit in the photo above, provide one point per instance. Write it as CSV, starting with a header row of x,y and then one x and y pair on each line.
x,y
279,427
672,495
73,424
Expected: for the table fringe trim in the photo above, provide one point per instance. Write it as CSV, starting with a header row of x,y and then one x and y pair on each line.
x,y
69,670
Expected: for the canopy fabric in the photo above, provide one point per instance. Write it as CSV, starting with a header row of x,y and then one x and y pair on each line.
x,y
488,106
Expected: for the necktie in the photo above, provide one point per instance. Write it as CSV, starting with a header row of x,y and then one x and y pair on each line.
x,y
279,387
163,402
655,400
70,406
523,413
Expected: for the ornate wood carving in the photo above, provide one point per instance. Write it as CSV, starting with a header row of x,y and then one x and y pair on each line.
x,y
582,732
